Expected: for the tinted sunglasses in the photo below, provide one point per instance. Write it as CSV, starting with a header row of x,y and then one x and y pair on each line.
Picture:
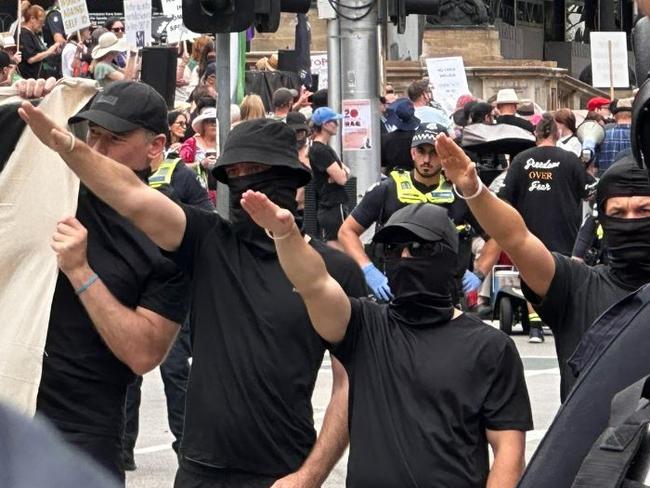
x,y
416,249
118,29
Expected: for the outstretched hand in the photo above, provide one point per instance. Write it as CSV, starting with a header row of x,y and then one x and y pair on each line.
x,y
267,214
50,134
458,167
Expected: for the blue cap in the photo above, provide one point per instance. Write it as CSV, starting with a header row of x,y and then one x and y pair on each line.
x,y
323,115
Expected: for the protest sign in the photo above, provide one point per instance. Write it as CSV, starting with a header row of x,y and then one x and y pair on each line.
x,y
75,15
137,20
319,67
609,60
173,24
448,80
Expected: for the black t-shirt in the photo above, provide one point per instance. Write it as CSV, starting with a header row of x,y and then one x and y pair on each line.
x,y
516,121
53,25
546,185
30,46
396,150
256,354
83,386
422,398
186,188
578,295
321,157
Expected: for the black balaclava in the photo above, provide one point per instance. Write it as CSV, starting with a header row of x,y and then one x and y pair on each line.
x,y
421,285
628,240
277,183
422,288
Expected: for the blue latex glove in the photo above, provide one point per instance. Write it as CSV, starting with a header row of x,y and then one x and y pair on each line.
x,y
377,282
470,281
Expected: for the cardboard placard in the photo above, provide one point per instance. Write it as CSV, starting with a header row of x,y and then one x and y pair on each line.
x,y
602,76
448,80
137,20
75,15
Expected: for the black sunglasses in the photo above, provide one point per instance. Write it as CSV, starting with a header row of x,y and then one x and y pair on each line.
x,y
118,29
416,249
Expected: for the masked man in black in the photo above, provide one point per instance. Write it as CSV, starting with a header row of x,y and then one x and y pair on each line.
x,y
430,387
567,294
249,418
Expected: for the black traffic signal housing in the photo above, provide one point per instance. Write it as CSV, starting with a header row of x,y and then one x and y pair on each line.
x,y
267,12
209,16
399,9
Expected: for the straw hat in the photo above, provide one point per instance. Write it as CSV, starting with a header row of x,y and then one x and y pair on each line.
x,y
109,43
507,96
267,64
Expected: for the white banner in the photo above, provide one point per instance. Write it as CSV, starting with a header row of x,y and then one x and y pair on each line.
x,y
137,20
448,80
600,59
75,15
319,67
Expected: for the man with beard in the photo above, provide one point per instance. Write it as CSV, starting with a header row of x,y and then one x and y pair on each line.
x,y
249,419
430,387
567,294
424,184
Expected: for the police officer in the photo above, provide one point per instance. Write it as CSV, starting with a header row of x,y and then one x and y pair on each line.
x,y
54,33
424,184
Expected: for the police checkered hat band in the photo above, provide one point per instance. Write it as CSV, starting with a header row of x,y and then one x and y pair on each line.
x,y
427,133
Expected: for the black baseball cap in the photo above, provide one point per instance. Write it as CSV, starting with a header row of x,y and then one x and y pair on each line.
x,y
263,141
297,121
425,221
124,106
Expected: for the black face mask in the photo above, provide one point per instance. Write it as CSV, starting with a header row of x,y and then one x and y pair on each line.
x,y
279,186
628,244
422,288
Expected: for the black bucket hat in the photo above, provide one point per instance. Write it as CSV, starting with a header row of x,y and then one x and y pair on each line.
x,y
263,141
426,221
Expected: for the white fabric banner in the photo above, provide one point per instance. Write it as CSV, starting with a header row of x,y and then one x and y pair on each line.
x,y
37,189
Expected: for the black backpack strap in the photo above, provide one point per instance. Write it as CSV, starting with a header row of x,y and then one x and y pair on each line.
x,y
607,463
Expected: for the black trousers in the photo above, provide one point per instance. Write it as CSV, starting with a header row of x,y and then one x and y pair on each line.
x,y
106,451
189,475
175,372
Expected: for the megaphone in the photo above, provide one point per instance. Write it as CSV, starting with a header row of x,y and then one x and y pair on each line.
x,y
590,133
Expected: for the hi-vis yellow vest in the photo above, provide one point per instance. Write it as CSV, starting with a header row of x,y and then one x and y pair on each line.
x,y
164,174
408,193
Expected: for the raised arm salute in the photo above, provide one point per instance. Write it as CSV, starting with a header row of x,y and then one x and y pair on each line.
x,y
568,295
156,215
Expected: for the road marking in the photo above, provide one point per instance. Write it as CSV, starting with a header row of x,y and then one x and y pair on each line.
x,y
149,450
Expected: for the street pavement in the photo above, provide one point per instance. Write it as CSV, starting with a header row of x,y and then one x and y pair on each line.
x,y
157,462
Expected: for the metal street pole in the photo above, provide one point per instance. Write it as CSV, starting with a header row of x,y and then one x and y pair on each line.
x,y
334,74
223,112
360,81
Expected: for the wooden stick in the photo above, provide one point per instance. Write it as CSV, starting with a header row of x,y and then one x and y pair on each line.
x,y
611,71
19,20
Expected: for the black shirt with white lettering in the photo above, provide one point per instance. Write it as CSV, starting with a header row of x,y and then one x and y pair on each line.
x,y
256,354
546,184
421,399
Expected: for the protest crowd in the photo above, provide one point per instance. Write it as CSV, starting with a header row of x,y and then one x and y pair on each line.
x,y
238,312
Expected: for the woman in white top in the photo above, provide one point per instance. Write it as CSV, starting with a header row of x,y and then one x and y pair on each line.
x,y
107,49
73,51
566,122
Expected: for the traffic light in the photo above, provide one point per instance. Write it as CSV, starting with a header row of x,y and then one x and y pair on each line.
x,y
399,9
267,12
209,16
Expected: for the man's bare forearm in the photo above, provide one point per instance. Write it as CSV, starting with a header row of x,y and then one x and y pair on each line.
x,y
353,246
505,472
333,437
135,340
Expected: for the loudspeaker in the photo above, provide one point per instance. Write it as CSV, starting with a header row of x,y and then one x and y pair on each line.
x,y
287,60
590,133
159,71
